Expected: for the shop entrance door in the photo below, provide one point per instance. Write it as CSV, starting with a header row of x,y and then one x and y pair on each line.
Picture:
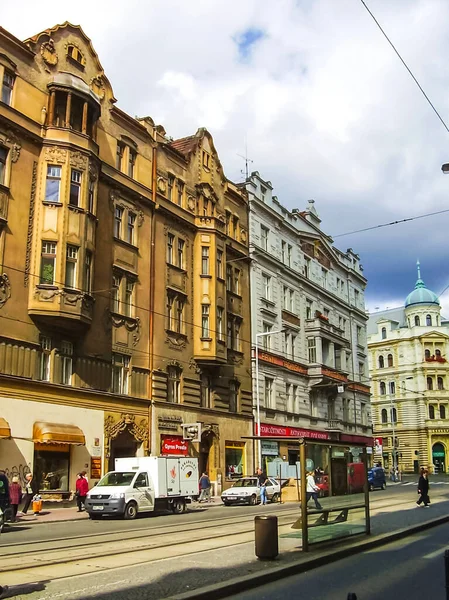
x,y
439,458
123,446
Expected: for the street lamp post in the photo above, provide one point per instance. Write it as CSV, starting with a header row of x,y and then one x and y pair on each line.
x,y
259,444
395,456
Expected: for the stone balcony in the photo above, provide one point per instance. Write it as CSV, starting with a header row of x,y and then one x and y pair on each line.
x,y
335,425
61,307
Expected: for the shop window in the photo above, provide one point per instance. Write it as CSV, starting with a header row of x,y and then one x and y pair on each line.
x,y
381,362
120,373
173,384
382,388
390,360
53,183
71,263
440,382
45,358
235,459
384,416
3,158
442,412
431,411
429,383
66,363
48,263
428,320
7,87
52,467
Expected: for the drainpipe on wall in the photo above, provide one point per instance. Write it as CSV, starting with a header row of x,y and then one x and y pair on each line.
x,y
152,418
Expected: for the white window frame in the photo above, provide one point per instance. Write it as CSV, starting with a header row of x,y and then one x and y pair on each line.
x,y
71,266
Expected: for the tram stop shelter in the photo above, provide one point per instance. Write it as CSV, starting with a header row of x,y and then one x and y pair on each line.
x,y
340,470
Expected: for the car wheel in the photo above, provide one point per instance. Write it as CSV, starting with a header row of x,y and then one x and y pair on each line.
x,y
178,507
275,497
226,503
253,500
130,511
384,486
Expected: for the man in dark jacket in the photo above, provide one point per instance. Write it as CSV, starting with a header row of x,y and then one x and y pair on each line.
x,y
423,489
4,491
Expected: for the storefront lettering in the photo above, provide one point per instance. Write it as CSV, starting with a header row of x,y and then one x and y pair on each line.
x,y
281,362
169,422
290,432
174,445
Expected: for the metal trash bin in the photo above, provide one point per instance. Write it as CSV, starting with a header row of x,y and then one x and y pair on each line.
x,y
266,537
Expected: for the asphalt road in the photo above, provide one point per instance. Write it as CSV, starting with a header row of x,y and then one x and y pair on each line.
x,y
411,569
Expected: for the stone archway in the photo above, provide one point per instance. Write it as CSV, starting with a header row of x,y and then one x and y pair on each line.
x,y
123,436
208,453
439,457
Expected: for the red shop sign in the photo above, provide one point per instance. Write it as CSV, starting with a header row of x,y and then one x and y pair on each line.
x,y
267,430
174,444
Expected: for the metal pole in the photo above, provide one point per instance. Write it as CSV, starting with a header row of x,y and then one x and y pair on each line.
x,y
302,467
394,439
259,443
446,572
366,492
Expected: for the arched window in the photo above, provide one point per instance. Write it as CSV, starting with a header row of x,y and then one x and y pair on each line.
x,y
417,320
431,411
429,383
442,412
384,416
381,362
428,320
382,388
394,415
75,54
438,353
427,353
390,360
384,333
392,388
440,383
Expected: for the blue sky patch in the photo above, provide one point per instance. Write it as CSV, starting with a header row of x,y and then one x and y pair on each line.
x,y
245,41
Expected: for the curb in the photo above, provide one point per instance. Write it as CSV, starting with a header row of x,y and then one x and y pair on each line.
x,y
241,584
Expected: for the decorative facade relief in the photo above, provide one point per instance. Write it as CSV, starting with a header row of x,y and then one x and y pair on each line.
x,y
161,185
10,140
132,325
93,171
5,289
78,160
48,53
97,86
26,276
55,155
115,424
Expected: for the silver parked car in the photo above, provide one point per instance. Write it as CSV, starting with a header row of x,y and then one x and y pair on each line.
x,y
246,491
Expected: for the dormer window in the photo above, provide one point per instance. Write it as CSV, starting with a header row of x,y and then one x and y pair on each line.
x,y
206,160
76,55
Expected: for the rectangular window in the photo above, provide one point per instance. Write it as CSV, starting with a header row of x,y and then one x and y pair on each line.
x,y
237,282
170,185
237,344
309,307
324,276
288,397
88,272
7,87
118,218
291,300
307,268
266,339
120,373
115,293
3,157
204,260
48,263
206,159
173,384
44,370
91,196
359,335
171,317
66,363
356,297
284,251
219,264
235,227
128,303
220,324
170,243
71,261
228,223
179,316
75,188
205,391
119,156
229,278
263,191
230,331
181,245
311,347
287,343
264,232
268,392
180,192
266,286
132,156
284,296
293,347
53,183
205,329
234,388
131,228
289,255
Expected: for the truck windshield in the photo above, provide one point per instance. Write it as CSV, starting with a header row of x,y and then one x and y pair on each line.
x,y
117,478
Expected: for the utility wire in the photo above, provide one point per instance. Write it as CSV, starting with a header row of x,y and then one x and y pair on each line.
x,y
439,212
406,66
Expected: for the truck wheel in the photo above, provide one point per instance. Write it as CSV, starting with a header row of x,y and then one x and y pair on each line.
x,y
253,500
130,511
178,507
275,497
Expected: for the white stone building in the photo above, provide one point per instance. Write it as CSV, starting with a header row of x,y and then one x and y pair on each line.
x,y
313,374
408,350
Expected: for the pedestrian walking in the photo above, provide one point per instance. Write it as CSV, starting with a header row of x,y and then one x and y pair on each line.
x,y
205,485
15,497
31,489
423,489
312,490
262,481
82,487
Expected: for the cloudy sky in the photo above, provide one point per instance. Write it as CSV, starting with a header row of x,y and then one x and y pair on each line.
x,y
325,107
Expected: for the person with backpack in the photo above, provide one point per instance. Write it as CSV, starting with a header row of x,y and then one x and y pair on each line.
x,y
205,485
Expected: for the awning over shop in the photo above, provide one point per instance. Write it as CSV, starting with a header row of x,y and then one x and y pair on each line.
x,y
5,430
57,433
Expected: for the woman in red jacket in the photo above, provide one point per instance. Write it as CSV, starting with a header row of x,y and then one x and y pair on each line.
x,y
15,496
82,487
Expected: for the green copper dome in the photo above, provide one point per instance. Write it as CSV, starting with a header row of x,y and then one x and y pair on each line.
x,y
421,294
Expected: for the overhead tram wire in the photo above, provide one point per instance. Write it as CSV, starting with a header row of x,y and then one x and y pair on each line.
x,y
406,66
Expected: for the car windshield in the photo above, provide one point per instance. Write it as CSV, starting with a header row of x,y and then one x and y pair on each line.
x,y
116,478
244,483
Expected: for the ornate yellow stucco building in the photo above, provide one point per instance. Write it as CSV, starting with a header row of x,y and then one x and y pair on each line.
x,y
124,284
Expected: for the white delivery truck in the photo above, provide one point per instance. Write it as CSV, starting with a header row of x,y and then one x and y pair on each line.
x,y
144,484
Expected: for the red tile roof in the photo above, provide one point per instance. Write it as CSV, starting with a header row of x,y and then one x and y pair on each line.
x,y
185,145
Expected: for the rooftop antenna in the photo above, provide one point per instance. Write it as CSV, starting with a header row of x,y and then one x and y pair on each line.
x,y
247,161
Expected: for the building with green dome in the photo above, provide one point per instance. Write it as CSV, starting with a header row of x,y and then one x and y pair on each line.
x,y
408,353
